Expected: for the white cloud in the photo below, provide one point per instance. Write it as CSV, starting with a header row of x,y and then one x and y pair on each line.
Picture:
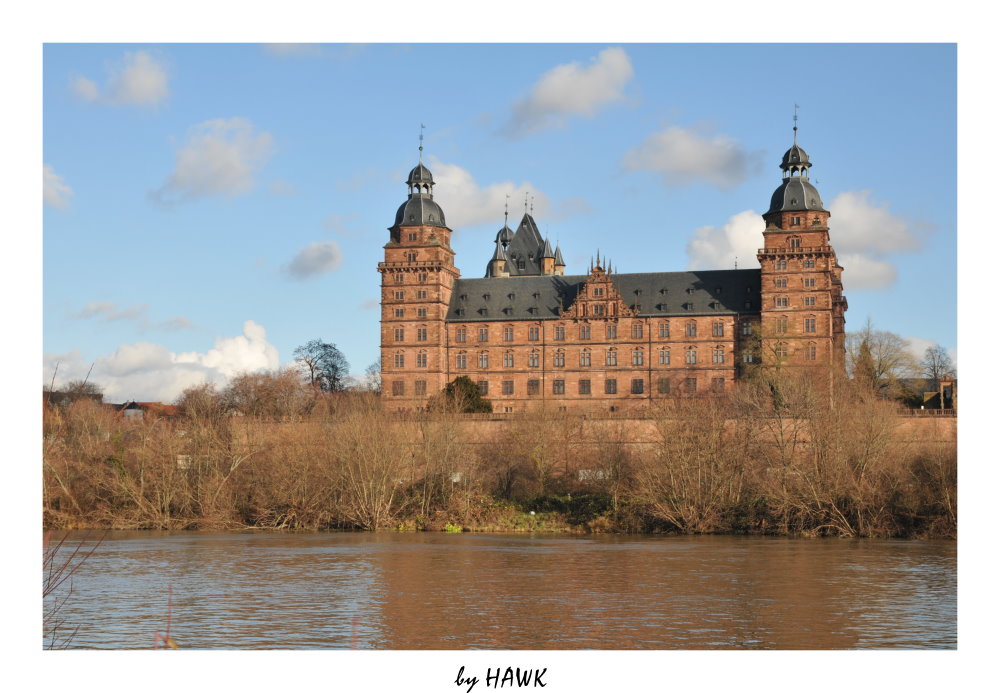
x,y
137,313
684,157
465,203
865,272
138,79
569,90
150,372
219,157
315,259
55,193
918,345
715,247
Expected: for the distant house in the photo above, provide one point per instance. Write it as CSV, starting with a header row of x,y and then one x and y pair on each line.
x,y
141,410
930,393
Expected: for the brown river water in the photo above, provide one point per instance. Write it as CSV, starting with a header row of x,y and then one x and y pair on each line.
x,y
488,591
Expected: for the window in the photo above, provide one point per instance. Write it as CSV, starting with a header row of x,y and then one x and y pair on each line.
x,y
809,301
718,355
412,236
507,387
691,330
638,357
533,360
796,221
584,358
399,312
558,387
611,359
585,387
484,334
508,334
612,332
398,388
484,359
420,387
664,357
810,325
398,295
781,265
533,387
718,384
809,282
664,330
748,356
411,257
781,301
781,325
745,329
663,386
559,360
421,312
718,329
460,335
781,351
584,332
780,283
598,291
484,387
532,334
611,386
600,309
399,360
422,293
422,360
398,334
508,359
422,277
460,361
691,356
637,385
810,352
560,334
399,278
809,264
637,330
421,334
795,242
690,385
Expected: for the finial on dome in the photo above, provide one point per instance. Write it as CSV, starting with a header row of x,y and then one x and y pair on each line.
x,y
421,147
795,125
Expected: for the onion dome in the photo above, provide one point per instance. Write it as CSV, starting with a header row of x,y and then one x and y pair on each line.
x,y
796,193
505,236
420,175
420,209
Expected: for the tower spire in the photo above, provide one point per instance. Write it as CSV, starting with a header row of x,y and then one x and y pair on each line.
x,y
505,203
795,126
421,148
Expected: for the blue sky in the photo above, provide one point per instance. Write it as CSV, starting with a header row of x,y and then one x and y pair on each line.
x,y
208,208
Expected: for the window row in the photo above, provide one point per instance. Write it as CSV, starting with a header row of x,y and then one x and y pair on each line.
x,y
784,302
717,354
782,265
462,334
781,324
421,295
584,386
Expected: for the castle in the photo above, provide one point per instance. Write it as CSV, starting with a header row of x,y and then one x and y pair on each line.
x,y
528,333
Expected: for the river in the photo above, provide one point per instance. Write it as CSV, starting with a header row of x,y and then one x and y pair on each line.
x,y
487,591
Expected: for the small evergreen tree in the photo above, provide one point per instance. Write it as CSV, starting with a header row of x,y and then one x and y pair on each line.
x,y
462,395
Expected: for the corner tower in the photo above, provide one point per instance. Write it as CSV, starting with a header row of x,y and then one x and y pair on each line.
x,y
418,274
802,301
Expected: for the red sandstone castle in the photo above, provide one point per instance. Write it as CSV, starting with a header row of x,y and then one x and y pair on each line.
x,y
527,333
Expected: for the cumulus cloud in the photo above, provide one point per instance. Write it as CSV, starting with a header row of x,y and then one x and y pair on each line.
x,y
865,232
917,346
55,192
151,372
315,259
465,203
570,90
219,157
718,247
138,79
686,156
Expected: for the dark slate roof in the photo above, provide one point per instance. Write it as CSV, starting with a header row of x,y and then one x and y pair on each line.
x,y
526,246
795,194
420,174
419,210
559,260
796,156
667,294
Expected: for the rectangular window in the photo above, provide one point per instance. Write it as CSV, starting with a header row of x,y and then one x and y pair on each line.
x,y
718,329
585,387
411,257
398,334
422,277
745,329
691,356
637,357
780,283
484,360
533,386
810,325
612,332
664,330
781,351
508,359
781,325
421,312
809,301
508,387
598,291
399,360
718,384
421,334
612,358
484,387
611,386
532,334
811,352
420,387
748,356
460,335
809,264
399,312
560,333
508,334
584,332
421,360
781,265
412,236
690,385
558,387
691,330
584,358
398,278
533,360
781,301
663,386
718,356
422,294
398,295
664,357
398,388
460,361
809,283
484,334
637,330
637,386
559,360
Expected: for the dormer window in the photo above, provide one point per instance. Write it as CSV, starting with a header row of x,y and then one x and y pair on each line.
x,y
486,297
510,297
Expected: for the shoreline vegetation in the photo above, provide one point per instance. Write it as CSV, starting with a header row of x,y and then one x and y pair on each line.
x,y
803,454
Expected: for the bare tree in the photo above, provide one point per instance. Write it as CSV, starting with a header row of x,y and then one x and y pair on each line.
x,y
324,364
937,364
373,377
880,358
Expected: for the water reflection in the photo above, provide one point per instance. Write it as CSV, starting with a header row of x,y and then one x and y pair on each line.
x,y
431,591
